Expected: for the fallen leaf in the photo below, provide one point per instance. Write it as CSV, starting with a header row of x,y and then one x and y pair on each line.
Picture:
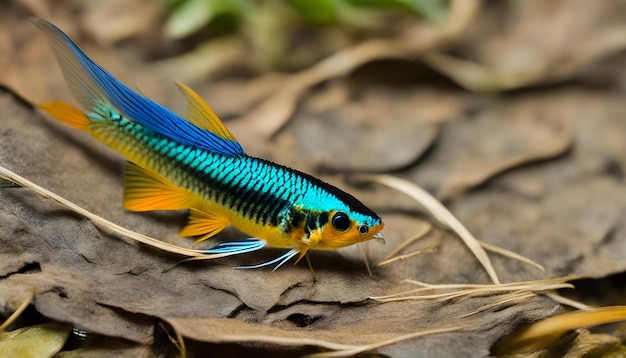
x,y
543,334
473,150
540,44
105,285
43,340
386,133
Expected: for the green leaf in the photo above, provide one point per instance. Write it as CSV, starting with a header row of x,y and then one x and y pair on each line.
x,y
7,184
321,12
192,15
43,340
433,10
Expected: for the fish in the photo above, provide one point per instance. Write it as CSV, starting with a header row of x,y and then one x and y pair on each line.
x,y
193,162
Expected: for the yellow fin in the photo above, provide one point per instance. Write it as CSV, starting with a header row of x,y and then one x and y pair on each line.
x,y
204,223
67,114
201,115
145,190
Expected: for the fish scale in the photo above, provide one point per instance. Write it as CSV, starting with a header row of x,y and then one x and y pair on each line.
x,y
230,178
194,162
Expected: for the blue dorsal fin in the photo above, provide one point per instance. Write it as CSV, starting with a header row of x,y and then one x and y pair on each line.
x,y
93,86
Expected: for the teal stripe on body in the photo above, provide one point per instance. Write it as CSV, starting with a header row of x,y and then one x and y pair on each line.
x,y
262,191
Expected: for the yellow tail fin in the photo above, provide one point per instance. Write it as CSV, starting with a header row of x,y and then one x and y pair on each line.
x,y
67,114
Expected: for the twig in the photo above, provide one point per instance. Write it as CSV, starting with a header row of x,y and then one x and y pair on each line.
x,y
6,174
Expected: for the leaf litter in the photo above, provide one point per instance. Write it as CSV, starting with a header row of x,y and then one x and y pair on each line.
x,y
86,281
143,304
557,183
522,54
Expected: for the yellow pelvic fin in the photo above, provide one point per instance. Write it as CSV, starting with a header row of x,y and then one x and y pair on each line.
x,y
303,251
145,190
204,223
67,114
201,115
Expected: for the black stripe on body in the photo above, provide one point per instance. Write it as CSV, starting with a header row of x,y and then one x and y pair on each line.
x,y
259,189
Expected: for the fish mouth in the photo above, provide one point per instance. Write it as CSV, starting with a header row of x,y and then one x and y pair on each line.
x,y
379,237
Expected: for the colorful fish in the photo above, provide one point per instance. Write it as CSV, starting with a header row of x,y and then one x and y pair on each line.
x,y
195,163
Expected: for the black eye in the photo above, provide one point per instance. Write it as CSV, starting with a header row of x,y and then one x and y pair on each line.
x,y
340,221
363,229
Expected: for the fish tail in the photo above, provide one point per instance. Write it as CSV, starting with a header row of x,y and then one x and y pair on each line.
x,y
78,78
66,113
95,88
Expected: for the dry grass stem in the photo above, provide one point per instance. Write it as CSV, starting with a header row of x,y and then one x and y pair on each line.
x,y
101,222
406,256
363,253
369,347
177,340
27,300
451,291
440,213
510,254
568,302
420,234
542,334
512,298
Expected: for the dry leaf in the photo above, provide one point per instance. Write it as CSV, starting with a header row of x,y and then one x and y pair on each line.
x,y
540,43
43,340
472,150
78,273
386,133
543,334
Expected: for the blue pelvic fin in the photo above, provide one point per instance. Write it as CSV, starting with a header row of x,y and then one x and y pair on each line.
x,y
235,247
280,260
94,87
224,249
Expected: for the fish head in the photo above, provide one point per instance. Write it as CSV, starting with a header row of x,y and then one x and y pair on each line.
x,y
344,228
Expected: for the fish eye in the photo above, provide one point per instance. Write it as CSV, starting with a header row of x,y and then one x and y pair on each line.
x,y
363,229
340,221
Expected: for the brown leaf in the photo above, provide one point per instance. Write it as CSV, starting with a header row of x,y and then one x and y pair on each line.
x,y
472,150
105,285
539,44
565,213
331,327
382,131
